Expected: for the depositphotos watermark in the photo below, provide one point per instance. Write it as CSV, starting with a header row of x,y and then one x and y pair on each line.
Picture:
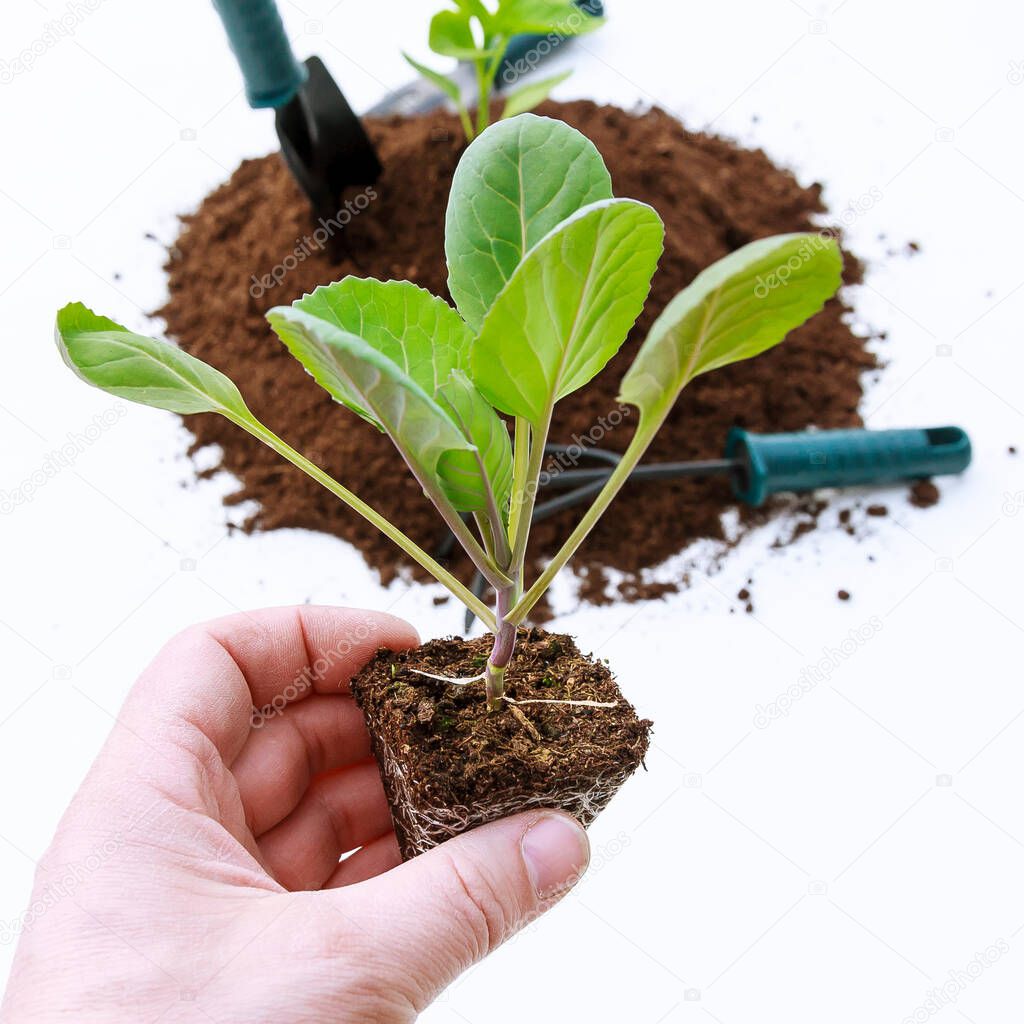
x,y
312,243
56,29
61,458
570,455
72,875
600,857
63,880
957,982
854,209
307,677
1013,503
816,673
545,45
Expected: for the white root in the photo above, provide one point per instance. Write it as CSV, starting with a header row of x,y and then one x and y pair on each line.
x,y
466,680
573,703
454,680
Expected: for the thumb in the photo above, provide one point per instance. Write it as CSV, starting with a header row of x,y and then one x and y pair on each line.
x,y
441,912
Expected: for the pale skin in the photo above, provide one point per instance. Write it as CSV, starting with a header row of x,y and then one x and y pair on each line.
x,y
196,874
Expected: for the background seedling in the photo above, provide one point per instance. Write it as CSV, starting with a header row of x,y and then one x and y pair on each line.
x,y
548,271
480,35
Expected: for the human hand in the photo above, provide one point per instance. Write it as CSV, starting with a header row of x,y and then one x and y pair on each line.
x,y
196,875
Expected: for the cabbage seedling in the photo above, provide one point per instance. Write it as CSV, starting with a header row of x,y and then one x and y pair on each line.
x,y
548,271
474,33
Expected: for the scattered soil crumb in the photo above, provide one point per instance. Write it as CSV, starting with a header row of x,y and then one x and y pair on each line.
x,y
631,589
594,585
843,595
807,514
845,517
924,494
877,511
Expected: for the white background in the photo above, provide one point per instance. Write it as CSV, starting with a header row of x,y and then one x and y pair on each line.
x,y
836,865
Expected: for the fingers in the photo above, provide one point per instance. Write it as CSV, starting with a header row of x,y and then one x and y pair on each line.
x,y
376,857
340,811
212,676
314,649
286,752
439,913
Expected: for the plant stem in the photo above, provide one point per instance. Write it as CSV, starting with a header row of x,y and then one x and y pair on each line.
x,y
520,459
501,652
467,124
445,578
489,522
483,112
643,437
529,493
463,534
492,530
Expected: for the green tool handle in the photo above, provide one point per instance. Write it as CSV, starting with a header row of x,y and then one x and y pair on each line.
x,y
841,458
271,72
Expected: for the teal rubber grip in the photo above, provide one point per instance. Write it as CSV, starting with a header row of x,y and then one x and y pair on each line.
x,y
272,74
841,458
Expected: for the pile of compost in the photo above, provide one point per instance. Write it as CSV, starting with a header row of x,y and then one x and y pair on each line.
x,y
253,244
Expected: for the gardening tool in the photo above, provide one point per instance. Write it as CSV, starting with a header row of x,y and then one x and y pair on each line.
x,y
759,465
322,140
419,96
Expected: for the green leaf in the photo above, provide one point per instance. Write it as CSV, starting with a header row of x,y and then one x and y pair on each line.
x,y
560,16
567,308
736,308
445,84
478,10
474,7
492,459
528,96
417,331
368,382
450,33
141,369
452,36
514,184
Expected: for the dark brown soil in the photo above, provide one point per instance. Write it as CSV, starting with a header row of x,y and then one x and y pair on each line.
x,y
713,196
448,764
924,494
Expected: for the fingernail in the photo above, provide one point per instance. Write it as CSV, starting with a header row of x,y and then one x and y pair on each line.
x,y
556,852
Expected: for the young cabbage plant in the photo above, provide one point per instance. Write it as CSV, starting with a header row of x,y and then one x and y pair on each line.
x,y
548,271
475,33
